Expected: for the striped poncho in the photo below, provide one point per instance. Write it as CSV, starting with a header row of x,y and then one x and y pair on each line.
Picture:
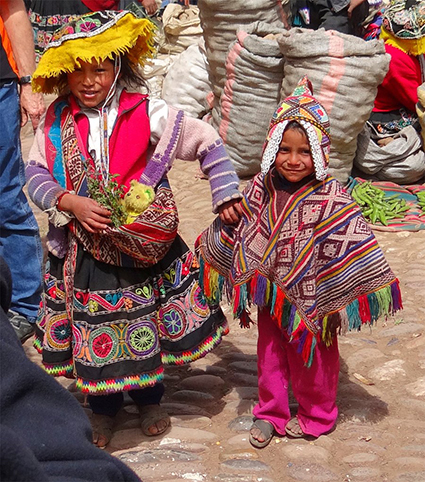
x,y
304,251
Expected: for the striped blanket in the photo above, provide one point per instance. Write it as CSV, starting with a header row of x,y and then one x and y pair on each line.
x,y
306,252
414,218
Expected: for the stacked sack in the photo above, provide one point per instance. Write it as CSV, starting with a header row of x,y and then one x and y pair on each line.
x,y
345,72
254,73
186,85
181,28
220,20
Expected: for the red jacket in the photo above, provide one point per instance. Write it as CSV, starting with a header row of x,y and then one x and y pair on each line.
x,y
399,88
96,5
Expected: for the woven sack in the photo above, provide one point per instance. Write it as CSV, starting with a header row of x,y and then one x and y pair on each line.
x,y
146,240
254,73
345,72
181,27
187,84
220,20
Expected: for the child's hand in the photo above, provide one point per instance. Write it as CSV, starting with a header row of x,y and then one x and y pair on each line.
x,y
92,216
230,212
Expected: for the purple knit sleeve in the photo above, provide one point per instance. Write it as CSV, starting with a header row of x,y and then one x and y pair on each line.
x,y
42,188
224,182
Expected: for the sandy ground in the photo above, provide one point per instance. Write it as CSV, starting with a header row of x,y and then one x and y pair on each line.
x,y
380,435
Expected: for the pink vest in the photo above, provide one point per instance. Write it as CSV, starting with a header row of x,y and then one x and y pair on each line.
x,y
129,140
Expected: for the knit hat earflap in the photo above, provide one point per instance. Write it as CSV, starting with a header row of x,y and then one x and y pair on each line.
x,y
303,108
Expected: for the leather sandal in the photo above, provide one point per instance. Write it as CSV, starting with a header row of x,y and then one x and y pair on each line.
x,y
151,416
266,429
102,428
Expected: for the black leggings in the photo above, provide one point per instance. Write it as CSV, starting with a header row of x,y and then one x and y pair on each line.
x,y
111,404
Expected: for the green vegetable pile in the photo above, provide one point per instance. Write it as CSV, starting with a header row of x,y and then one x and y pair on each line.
x,y
376,206
421,200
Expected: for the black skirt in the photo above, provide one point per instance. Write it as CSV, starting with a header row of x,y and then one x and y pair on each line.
x,y
125,323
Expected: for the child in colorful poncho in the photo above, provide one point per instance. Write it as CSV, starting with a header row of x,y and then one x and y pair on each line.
x,y
118,302
303,253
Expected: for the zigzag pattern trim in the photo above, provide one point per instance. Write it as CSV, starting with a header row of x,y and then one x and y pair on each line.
x,y
189,356
113,385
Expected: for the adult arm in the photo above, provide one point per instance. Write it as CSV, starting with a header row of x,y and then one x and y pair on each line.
x,y
19,31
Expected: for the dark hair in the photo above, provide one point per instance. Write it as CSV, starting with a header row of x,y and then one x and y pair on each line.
x,y
296,126
131,74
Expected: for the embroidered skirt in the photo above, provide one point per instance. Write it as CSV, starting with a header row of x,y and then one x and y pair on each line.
x,y
125,323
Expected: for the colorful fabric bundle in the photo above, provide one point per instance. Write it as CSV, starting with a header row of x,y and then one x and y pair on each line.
x,y
403,25
142,243
111,34
308,255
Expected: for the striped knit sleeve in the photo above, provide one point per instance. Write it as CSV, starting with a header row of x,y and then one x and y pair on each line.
x,y
200,141
42,187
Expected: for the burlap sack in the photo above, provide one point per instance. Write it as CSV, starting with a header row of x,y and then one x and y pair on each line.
x,y
254,73
345,72
181,28
187,84
220,20
401,161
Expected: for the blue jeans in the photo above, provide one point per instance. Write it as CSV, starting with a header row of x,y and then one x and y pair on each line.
x,y
20,243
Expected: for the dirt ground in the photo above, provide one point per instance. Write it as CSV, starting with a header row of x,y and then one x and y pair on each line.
x,y
380,435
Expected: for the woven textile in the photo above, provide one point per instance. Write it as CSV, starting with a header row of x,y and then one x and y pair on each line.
x,y
142,243
305,251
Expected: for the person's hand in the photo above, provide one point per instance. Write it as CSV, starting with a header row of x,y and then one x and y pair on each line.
x,y
32,106
150,6
230,212
92,216
353,5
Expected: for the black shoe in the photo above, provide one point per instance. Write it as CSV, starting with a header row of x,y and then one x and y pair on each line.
x,y
23,328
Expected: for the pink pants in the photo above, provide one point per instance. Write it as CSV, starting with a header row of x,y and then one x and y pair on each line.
x,y
315,388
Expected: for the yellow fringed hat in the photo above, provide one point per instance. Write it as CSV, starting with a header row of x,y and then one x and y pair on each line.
x,y
98,36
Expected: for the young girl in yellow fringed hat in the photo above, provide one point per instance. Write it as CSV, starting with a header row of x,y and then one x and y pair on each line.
x,y
119,300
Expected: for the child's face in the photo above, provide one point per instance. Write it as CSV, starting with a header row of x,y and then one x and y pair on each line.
x,y
92,82
293,160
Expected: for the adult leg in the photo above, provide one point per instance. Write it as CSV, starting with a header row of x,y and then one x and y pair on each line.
x,y
315,388
20,243
273,374
153,418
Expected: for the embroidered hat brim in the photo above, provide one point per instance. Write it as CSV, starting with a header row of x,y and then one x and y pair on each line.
x,y
110,33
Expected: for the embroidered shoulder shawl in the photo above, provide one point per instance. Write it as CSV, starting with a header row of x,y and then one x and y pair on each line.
x,y
305,253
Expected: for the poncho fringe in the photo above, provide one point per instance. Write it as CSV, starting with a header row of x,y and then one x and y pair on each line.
x,y
259,290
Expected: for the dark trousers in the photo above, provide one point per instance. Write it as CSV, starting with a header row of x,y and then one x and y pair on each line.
x,y
111,404
322,15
